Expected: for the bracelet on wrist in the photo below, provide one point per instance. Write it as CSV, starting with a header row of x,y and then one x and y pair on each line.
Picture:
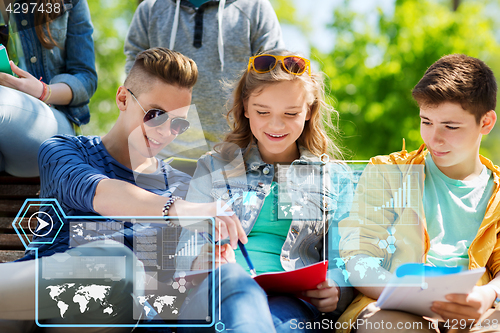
x,y
44,92
49,89
166,207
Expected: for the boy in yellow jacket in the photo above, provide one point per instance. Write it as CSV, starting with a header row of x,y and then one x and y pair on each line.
x,y
457,98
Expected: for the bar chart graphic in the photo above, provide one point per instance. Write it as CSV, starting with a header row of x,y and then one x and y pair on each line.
x,y
401,198
190,249
188,246
388,193
310,179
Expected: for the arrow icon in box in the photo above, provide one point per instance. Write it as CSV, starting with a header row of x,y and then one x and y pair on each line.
x,y
42,224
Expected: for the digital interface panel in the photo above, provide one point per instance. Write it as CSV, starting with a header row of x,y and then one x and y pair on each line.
x,y
385,201
100,282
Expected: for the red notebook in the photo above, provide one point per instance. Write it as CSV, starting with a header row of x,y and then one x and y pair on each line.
x,y
291,282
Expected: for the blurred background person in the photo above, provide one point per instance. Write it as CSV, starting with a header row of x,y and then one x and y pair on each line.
x,y
52,53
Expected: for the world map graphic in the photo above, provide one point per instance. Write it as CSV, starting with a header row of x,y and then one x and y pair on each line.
x,y
68,295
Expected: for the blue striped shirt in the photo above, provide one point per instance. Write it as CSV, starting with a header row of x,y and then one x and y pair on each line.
x,y
70,169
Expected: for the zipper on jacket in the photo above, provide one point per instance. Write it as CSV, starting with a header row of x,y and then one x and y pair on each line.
x,y
198,27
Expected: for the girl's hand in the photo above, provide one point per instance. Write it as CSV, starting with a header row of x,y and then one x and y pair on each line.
x,y
26,82
324,298
223,254
466,306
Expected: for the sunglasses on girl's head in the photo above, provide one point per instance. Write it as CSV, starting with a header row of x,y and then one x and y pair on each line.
x,y
267,62
157,117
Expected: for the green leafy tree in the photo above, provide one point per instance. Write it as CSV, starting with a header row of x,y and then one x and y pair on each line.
x,y
287,14
111,19
376,63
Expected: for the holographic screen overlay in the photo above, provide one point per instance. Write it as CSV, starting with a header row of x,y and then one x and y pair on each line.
x,y
168,278
39,223
91,285
83,232
192,140
25,10
315,190
165,277
301,191
385,227
101,282
225,183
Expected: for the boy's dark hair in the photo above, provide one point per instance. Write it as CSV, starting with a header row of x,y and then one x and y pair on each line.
x,y
461,79
165,65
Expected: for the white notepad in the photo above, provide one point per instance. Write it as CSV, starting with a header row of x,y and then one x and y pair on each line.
x,y
414,287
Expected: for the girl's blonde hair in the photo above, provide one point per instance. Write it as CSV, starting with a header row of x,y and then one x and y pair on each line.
x,y
314,136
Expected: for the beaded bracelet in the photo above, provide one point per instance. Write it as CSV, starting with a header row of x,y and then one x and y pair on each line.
x,y
166,207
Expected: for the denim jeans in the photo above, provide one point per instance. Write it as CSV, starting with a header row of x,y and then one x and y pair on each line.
x,y
245,307
25,122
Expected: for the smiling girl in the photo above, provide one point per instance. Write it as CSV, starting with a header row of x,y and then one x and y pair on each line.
x,y
277,142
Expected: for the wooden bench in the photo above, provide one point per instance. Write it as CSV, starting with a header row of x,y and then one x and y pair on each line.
x,y
13,192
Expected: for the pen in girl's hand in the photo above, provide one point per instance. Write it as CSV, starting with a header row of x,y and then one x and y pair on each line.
x,y
208,237
247,258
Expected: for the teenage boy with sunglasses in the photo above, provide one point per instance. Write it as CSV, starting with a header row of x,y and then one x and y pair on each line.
x,y
116,175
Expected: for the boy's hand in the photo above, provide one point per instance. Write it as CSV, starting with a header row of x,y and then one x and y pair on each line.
x,y
324,298
466,306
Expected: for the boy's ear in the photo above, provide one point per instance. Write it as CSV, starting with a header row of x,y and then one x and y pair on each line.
x,y
122,99
488,122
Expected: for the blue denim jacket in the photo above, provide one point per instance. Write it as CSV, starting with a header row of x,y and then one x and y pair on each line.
x,y
71,62
216,179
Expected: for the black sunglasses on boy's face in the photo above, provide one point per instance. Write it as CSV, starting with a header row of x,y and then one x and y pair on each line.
x,y
157,117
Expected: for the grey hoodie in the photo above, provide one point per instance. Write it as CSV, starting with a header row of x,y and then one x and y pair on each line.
x,y
219,44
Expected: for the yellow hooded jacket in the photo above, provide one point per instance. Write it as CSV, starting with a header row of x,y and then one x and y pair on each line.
x,y
484,250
